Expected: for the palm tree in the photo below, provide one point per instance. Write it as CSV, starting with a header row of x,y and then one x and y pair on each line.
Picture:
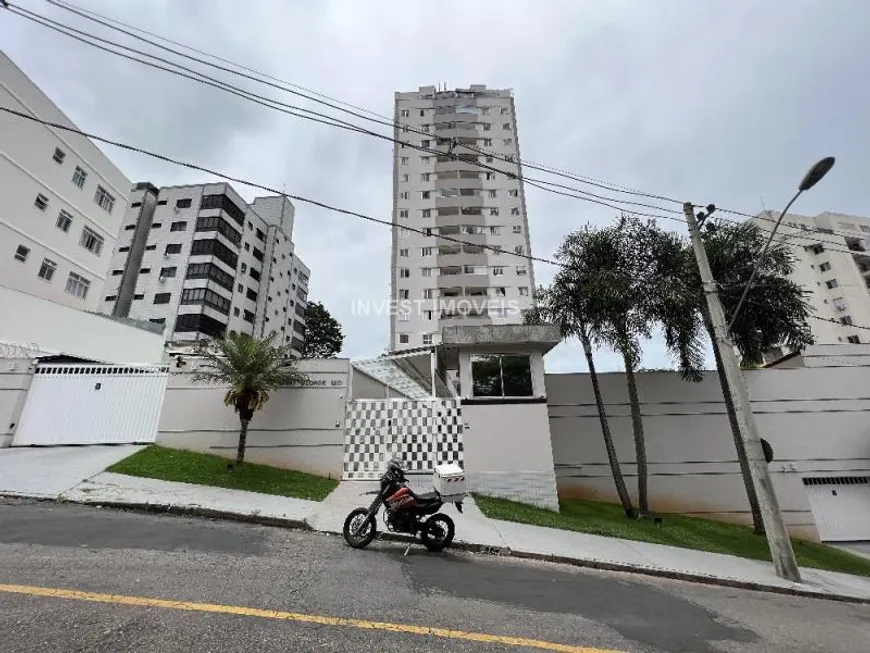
x,y
733,250
566,304
251,368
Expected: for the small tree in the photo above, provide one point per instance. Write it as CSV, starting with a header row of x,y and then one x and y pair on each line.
x,y
323,336
251,368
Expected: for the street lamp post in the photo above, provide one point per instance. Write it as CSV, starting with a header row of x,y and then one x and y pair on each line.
x,y
781,550
813,176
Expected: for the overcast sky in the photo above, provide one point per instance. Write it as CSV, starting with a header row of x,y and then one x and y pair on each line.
x,y
711,102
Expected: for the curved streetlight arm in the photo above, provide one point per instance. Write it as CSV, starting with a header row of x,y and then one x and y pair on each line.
x,y
759,261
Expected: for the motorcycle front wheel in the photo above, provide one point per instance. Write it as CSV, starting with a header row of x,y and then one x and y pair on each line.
x,y
359,529
438,532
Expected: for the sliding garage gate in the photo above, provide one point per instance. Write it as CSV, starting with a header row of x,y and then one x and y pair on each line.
x,y
92,404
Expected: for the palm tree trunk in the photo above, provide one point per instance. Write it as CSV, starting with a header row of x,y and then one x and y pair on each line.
x,y
615,470
757,521
243,440
639,443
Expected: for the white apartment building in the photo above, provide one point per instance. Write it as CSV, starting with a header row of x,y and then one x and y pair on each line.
x,y
62,200
455,192
832,262
201,261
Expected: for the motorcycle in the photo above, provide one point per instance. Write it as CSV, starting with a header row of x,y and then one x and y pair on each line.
x,y
405,512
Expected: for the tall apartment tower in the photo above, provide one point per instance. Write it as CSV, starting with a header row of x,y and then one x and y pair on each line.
x,y
456,175
201,261
831,253
62,200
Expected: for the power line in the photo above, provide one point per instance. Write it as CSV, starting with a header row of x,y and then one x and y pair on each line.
x,y
274,191
321,98
325,118
334,122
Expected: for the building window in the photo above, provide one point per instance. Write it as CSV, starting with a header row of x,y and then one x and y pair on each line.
x,y
64,220
193,322
497,271
493,193
173,248
508,141
405,177
168,272
79,177
426,272
495,231
130,227
110,298
524,292
257,254
226,204
404,160
404,273
426,194
403,213
427,338
513,192
138,297
162,298
403,338
487,142
259,233
403,293
427,315
158,320
117,273
426,251
255,274
148,248
77,285
515,211
501,375
404,316
41,202
178,226
517,229
126,248
206,297
156,225
91,241
831,284
425,144
183,204
104,199
518,249
405,113
236,311
145,271
248,317
252,295
21,253
521,270
428,293
846,319
855,340
426,213
824,267
59,155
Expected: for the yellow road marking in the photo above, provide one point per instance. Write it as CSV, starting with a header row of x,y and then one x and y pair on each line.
x,y
190,606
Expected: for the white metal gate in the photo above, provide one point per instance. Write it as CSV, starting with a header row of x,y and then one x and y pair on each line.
x,y
841,507
92,404
423,433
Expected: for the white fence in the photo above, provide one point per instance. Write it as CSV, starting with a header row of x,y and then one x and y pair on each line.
x,y
92,404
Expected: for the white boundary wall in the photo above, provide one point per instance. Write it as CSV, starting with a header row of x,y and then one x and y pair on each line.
x,y
816,419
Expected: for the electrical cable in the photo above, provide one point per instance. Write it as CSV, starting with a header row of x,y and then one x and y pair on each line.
x,y
585,195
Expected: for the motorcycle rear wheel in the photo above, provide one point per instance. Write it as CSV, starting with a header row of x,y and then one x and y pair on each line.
x,y
438,532
367,528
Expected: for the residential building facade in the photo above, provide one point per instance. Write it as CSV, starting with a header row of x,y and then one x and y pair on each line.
x,y
456,177
832,263
63,200
203,262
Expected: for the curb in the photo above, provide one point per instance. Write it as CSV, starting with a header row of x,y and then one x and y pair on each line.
x,y
468,547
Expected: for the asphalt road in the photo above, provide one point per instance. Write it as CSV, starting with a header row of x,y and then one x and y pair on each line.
x,y
78,579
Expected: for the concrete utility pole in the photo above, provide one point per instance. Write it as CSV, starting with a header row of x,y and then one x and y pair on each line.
x,y
777,536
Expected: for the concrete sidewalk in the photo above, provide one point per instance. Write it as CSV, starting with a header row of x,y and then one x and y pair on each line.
x,y
474,532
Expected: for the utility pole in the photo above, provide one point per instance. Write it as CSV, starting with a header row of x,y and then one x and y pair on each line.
x,y
777,536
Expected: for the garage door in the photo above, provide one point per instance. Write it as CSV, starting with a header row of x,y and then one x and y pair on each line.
x,y
841,507
92,404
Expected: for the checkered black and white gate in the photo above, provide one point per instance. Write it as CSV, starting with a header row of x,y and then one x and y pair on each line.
x,y
422,433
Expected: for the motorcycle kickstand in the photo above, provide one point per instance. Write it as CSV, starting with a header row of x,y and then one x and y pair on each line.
x,y
407,549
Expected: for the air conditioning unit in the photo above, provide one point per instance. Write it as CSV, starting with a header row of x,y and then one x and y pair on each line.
x,y
161,280
176,210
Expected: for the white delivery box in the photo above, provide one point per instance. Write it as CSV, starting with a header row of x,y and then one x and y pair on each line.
x,y
449,482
